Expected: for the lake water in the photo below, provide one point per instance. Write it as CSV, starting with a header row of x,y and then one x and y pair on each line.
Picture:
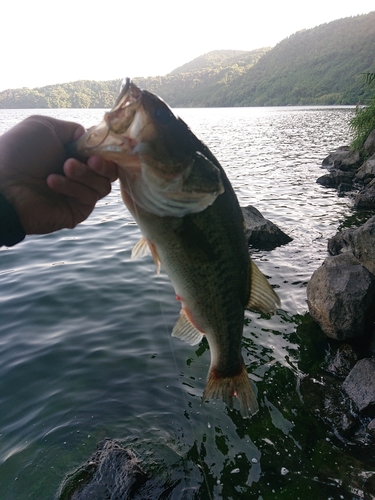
x,y
86,351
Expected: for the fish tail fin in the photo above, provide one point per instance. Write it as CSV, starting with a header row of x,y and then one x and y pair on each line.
x,y
227,387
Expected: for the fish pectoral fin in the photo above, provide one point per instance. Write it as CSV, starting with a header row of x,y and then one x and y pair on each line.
x,y
185,330
263,298
140,249
144,247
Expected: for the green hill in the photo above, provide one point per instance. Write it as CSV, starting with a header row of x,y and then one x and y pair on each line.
x,y
322,65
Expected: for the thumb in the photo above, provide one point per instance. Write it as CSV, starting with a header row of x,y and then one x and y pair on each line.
x,y
66,131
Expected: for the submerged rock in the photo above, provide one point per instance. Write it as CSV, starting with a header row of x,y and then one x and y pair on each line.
x,y
360,384
113,472
343,361
340,296
262,233
326,398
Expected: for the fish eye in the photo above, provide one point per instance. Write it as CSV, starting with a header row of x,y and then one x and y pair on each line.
x,y
163,115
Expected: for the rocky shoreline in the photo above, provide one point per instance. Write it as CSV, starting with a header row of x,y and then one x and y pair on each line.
x,y
341,299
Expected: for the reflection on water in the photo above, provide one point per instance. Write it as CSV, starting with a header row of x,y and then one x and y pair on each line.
x,y
86,350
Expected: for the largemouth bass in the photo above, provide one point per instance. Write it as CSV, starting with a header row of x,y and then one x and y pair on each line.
x,y
192,224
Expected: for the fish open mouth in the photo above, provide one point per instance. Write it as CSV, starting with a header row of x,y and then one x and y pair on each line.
x,y
117,121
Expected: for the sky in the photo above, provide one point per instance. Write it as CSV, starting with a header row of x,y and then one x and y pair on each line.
x,y
44,42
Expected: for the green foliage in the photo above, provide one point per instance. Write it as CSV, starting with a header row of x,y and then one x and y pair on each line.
x,y
81,94
363,123
320,66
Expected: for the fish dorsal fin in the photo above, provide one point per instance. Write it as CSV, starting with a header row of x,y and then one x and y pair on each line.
x,y
262,296
140,249
144,247
185,330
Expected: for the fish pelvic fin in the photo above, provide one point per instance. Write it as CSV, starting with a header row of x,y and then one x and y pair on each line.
x,y
140,249
226,388
263,298
144,247
185,330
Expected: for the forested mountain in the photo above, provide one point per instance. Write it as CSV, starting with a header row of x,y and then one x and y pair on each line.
x,y
322,65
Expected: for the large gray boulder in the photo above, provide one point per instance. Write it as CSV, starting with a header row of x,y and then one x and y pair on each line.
x,y
360,384
340,296
260,232
360,241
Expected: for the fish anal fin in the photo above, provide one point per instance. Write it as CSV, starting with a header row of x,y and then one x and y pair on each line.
x,y
226,388
144,247
185,330
263,298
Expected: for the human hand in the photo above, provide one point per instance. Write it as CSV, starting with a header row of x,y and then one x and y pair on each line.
x,y
48,190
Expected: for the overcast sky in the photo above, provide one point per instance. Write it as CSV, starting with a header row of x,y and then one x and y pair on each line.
x,y
44,42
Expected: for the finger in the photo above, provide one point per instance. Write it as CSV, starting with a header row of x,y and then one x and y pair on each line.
x,y
82,194
102,167
65,131
83,174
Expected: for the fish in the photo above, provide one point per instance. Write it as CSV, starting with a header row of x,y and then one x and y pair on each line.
x,y
192,224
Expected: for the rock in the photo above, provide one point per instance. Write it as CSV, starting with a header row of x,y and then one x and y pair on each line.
x,y
371,428
344,360
112,472
360,384
325,397
360,241
370,143
340,296
344,187
365,199
351,161
262,233
343,158
342,165
366,171
335,178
